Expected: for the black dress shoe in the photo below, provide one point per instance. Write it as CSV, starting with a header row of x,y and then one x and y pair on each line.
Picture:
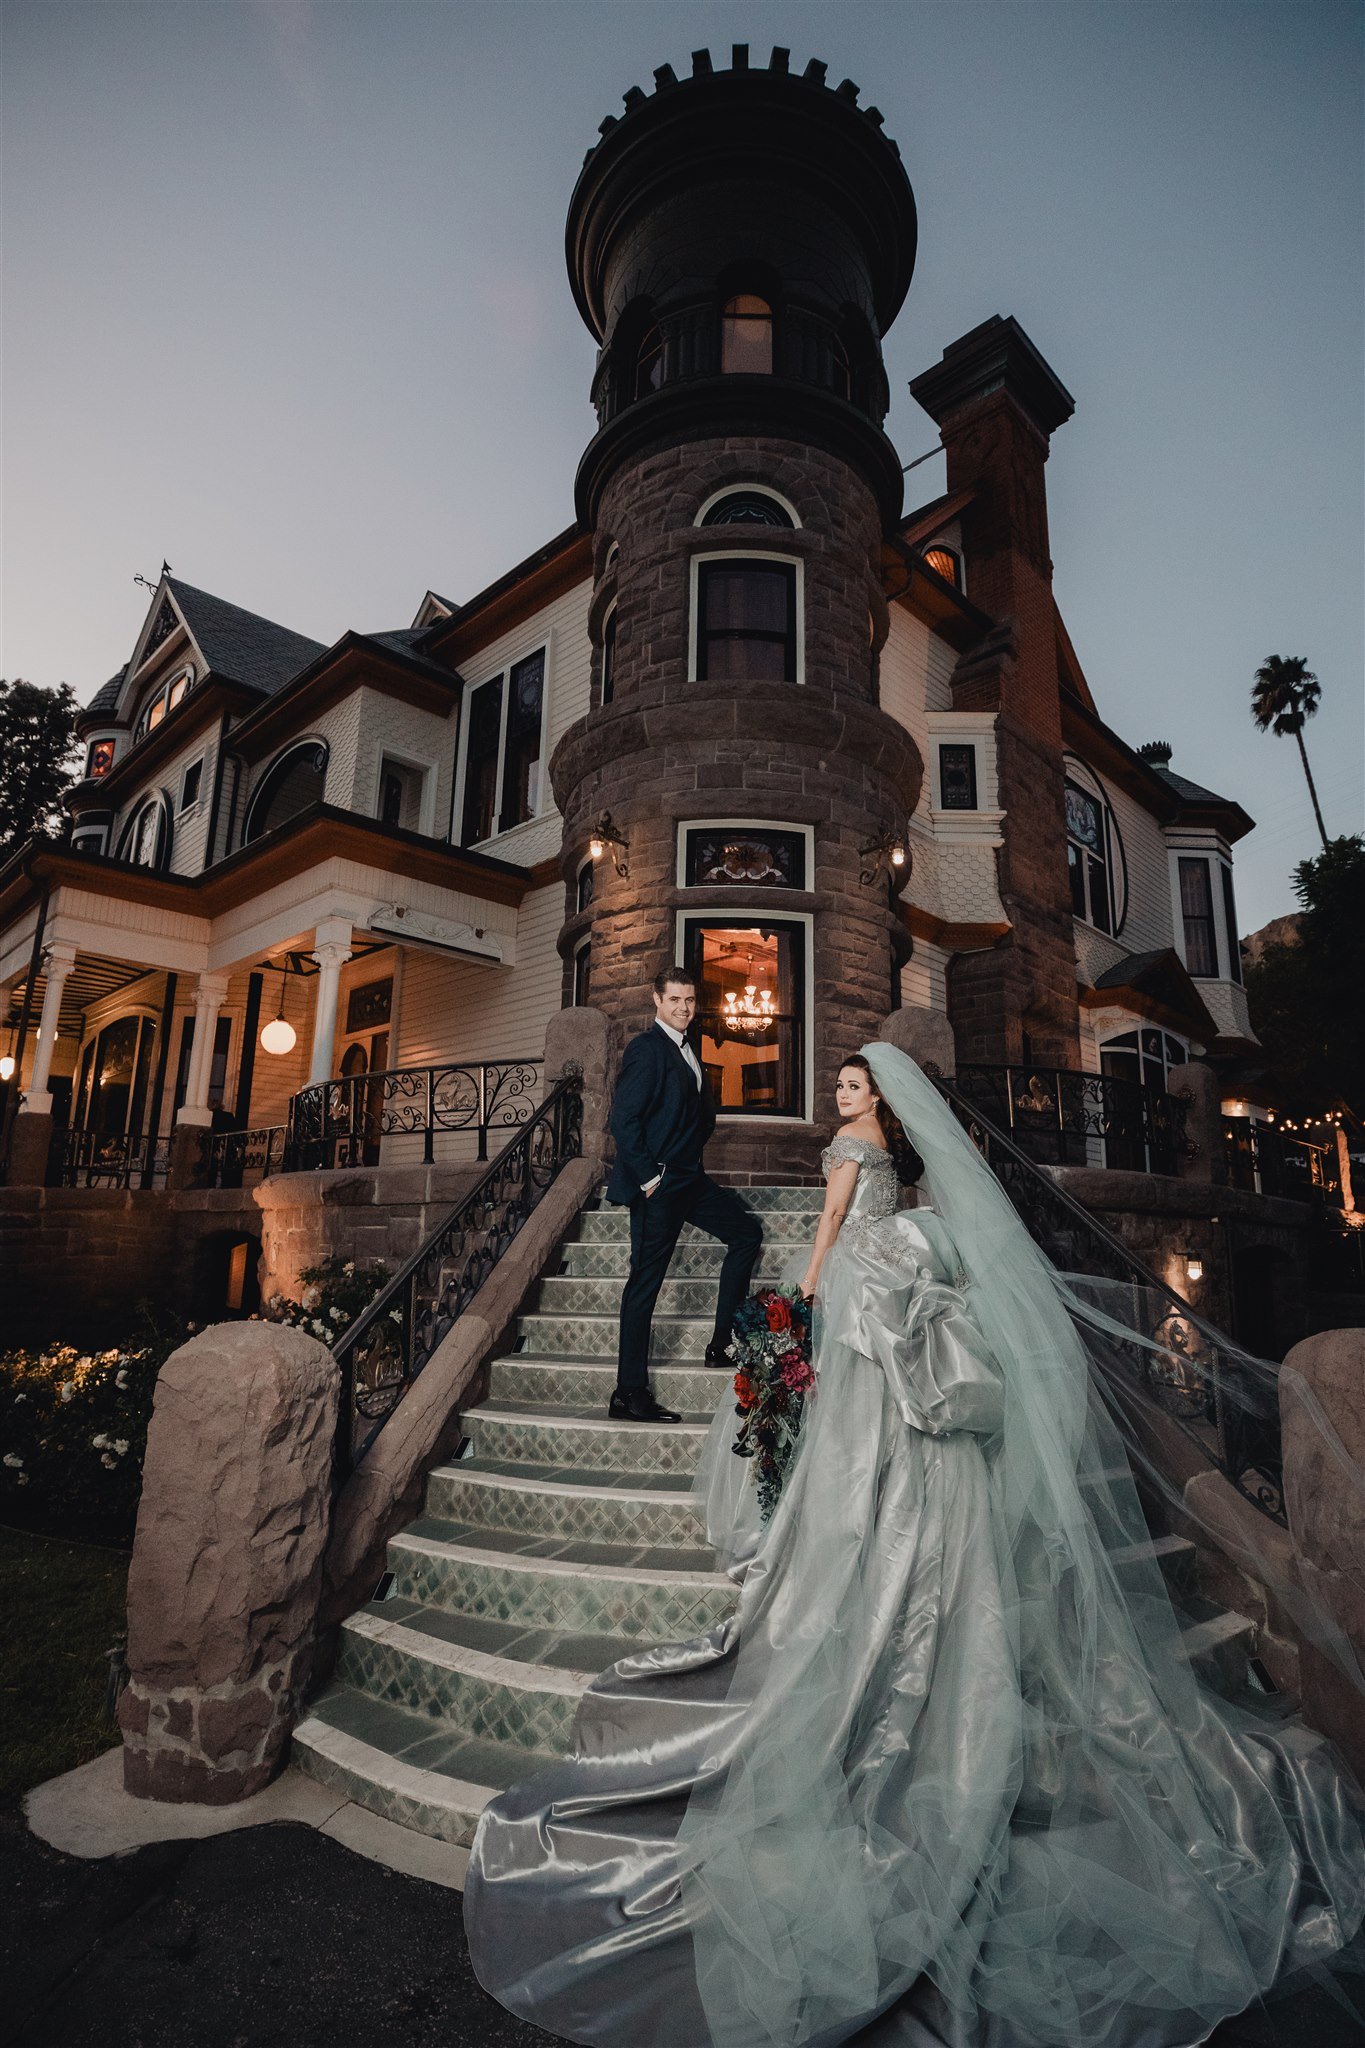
x,y
717,1356
637,1404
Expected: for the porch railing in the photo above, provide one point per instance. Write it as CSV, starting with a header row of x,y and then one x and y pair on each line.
x,y
1211,1392
237,1158
387,1346
1059,1116
104,1159
342,1122
1274,1162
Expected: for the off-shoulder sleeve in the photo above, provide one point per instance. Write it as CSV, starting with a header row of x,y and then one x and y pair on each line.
x,y
842,1147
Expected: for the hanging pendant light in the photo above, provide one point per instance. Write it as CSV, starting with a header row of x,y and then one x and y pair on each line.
x,y
7,1056
279,1035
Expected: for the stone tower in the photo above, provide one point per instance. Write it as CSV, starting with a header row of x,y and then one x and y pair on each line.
x,y
739,242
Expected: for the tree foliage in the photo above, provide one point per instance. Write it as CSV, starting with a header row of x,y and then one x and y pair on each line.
x,y
1284,695
1307,1000
38,759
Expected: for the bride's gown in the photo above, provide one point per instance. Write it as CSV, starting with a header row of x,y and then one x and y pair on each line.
x,y
914,1792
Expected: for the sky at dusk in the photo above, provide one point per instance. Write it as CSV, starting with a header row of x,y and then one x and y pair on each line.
x,y
285,304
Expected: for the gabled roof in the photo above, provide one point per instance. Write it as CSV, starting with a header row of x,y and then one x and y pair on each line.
x,y
924,522
405,641
241,645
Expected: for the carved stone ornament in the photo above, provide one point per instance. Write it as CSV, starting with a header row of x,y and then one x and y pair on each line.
x,y
396,920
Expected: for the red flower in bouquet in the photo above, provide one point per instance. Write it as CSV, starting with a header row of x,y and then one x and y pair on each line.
x,y
745,1391
797,1373
779,1313
774,1379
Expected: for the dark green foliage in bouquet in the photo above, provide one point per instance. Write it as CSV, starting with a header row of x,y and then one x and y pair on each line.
x,y
773,1377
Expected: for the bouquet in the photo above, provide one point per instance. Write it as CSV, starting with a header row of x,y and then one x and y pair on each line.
x,y
771,1350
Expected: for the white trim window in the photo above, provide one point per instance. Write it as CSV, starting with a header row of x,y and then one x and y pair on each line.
x,y
747,618
1094,852
502,782
755,988
744,853
1198,927
146,838
748,505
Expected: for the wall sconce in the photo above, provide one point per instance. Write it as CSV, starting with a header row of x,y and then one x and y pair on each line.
x,y
604,835
888,855
279,1035
1194,1266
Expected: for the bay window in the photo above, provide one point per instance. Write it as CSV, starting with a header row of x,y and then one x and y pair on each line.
x,y
1196,911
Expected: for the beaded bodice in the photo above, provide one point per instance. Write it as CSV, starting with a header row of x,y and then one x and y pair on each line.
x,y
877,1190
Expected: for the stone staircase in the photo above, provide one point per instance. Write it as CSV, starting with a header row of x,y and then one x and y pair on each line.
x,y
561,1542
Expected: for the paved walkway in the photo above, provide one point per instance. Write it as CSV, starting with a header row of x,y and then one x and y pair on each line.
x,y
278,1936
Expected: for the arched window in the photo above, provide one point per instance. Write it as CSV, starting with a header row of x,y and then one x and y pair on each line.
x,y
649,363
164,698
609,656
289,786
754,507
582,974
945,563
746,336
1094,852
146,838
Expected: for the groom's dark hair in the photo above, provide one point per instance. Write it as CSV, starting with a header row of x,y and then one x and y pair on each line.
x,y
672,977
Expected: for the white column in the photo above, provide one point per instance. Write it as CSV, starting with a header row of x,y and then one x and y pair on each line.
x,y
58,961
209,992
331,951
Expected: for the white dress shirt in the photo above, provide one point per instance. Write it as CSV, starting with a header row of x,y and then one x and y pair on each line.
x,y
648,1187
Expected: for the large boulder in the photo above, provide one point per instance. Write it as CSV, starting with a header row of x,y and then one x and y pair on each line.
x,y
227,1563
1322,1421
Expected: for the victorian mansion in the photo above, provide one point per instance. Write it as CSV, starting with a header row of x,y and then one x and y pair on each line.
x,y
749,710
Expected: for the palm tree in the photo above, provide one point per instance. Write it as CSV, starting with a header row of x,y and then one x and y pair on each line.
x,y
1284,694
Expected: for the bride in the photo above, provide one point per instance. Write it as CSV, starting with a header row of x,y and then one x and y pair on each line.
x,y
944,1779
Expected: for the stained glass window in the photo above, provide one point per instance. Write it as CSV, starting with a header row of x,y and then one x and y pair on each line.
x,y
957,778
736,858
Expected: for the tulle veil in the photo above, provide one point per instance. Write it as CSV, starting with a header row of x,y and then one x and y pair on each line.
x,y
1098,1849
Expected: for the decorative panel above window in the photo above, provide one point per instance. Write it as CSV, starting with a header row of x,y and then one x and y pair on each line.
x,y
746,621
739,858
957,777
747,508
370,1005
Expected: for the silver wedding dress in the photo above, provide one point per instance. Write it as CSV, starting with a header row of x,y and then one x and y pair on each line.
x,y
944,1780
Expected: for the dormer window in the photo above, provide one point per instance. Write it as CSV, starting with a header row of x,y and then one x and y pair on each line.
x,y
945,563
746,336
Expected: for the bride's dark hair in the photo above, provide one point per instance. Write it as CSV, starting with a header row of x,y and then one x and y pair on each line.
x,y
906,1160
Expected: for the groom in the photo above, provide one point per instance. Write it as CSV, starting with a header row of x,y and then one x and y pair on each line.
x,y
661,1117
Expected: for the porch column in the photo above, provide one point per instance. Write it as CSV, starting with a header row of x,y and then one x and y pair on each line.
x,y
59,960
209,991
30,1140
331,951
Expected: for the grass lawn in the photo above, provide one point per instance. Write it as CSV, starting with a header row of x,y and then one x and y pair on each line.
x,y
61,1607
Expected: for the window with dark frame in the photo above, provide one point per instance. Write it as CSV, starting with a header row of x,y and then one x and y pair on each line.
x,y
521,761
748,508
189,788
746,621
481,762
957,777
587,885
1196,912
1230,921
755,1062
370,1006
946,564
609,656
1087,855
746,336
582,975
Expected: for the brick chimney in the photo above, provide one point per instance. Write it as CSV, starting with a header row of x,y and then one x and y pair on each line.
x,y
996,403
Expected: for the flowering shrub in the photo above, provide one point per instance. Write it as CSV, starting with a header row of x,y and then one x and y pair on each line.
x,y
771,1349
74,1429
334,1294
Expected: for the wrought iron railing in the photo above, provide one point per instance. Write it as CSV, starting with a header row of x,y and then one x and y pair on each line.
x,y
109,1159
687,343
387,1346
1197,1379
343,1122
236,1158
1273,1162
1062,1117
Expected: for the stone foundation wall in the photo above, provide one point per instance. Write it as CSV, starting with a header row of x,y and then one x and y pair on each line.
x,y
75,1262
351,1213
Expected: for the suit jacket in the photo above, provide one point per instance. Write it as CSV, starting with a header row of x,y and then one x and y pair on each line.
x,y
659,1117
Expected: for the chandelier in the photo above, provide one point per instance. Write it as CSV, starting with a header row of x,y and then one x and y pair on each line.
x,y
750,1013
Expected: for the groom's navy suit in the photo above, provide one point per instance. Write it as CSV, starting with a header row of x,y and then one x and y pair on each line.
x,y
661,1120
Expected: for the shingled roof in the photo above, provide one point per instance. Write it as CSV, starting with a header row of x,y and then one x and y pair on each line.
x,y
239,644
106,697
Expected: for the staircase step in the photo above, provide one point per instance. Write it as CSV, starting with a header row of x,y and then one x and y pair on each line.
x,y
595,1336
576,1439
653,1511
619,1599
421,1662
555,1383
572,1296
1176,1556
421,1773
610,1259
780,1220
1219,1646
